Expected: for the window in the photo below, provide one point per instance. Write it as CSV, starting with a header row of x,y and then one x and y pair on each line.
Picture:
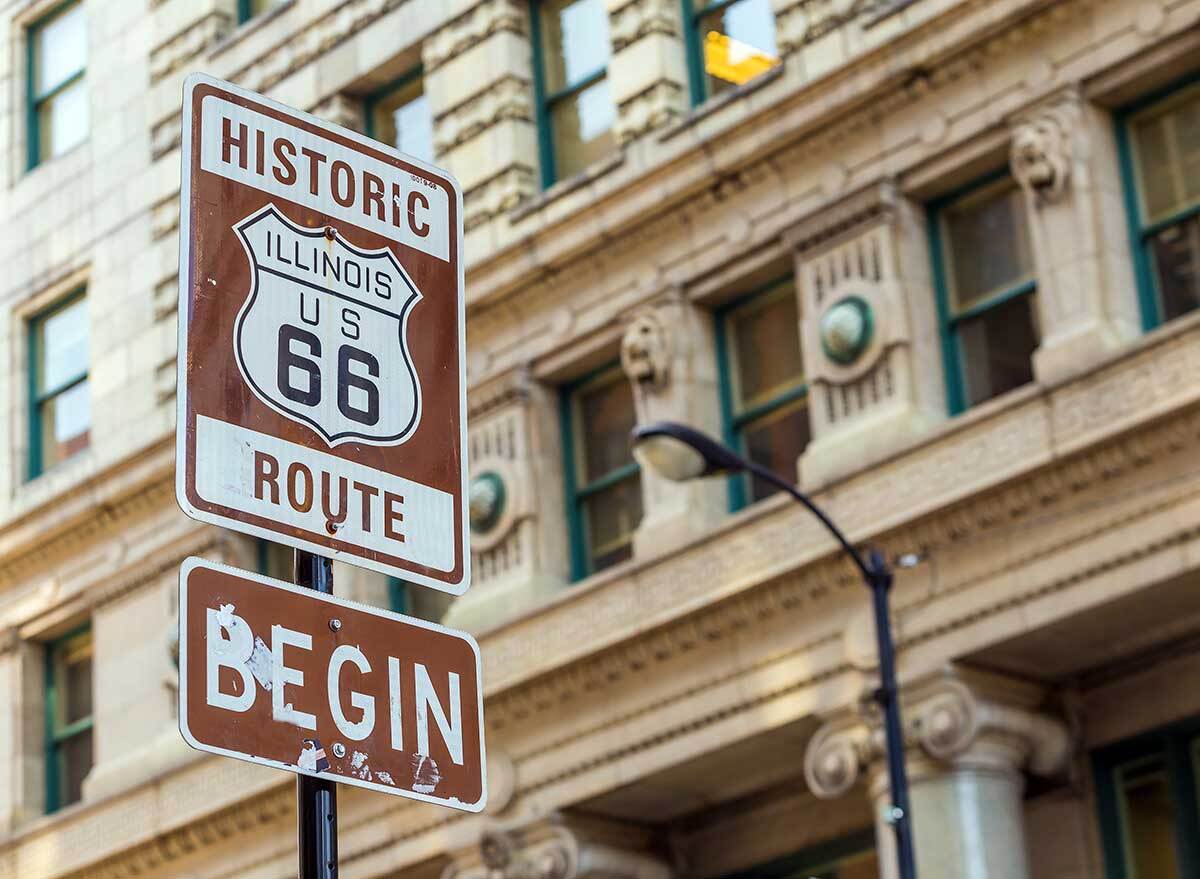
x,y
399,116
1161,158
983,267
1147,796
276,560
68,718
729,42
604,491
248,9
763,390
58,105
575,106
852,857
61,406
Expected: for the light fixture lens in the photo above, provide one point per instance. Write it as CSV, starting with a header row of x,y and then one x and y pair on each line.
x,y
669,457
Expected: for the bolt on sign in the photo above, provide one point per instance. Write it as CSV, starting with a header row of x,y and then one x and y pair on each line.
x,y
321,334
284,676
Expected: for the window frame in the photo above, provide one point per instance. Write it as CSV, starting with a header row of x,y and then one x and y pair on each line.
x,y
34,323
34,101
576,495
953,363
1148,292
1172,743
544,103
372,101
694,46
733,422
245,11
814,860
55,737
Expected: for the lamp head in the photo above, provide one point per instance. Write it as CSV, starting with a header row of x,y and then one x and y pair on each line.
x,y
680,453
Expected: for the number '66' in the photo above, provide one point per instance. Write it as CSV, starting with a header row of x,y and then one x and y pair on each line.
x,y
291,339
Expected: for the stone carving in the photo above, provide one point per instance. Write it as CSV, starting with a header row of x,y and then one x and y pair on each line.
x,y
809,20
503,858
188,44
635,19
510,97
342,110
646,351
1040,155
164,216
497,195
471,28
656,107
956,716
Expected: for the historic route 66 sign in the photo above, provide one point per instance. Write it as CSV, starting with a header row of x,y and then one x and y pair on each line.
x,y
321,368
322,337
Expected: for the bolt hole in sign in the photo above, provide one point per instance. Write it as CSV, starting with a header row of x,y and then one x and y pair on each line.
x,y
321,393
382,701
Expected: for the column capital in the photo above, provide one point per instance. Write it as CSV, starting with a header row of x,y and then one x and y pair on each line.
x,y
550,849
956,718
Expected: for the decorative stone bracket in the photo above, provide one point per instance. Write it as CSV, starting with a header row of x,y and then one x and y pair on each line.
x,y
551,850
960,718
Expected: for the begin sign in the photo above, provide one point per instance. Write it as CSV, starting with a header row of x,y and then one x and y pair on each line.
x,y
283,676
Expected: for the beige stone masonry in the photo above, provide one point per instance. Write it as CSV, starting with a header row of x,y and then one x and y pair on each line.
x,y
668,354
522,559
1065,158
872,247
647,73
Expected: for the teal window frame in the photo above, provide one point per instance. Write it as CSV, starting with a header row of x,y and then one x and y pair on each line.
x,y
245,11
56,736
576,494
544,103
34,101
814,862
953,363
372,101
1149,299
1173,743
399,599
36,464
732,421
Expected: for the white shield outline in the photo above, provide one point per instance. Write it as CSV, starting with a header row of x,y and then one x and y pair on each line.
x,y
414,297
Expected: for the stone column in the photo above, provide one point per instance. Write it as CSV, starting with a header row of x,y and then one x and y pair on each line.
x,y
557,849
22,732
969,738
1064,156
668,354
479,81
647,72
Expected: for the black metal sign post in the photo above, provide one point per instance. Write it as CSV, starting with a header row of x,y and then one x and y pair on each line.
x,y
316,798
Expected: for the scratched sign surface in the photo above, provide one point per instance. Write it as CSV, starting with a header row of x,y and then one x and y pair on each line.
x,y
321,392
290,678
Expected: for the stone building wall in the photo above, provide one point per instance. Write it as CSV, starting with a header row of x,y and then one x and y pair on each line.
x,y
678,714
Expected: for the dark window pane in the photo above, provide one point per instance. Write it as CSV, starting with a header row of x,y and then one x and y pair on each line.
x,y
738,43
776,441
276,560
766,347
76,762
997,349
606,416
1148,815
989,250
582,125
1175,252
77,687
611,515
575,42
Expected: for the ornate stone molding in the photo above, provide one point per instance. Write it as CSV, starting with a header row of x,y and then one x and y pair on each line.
x,y
188,44
497,195
646,351
655,108
497,392
866,205
959,718
1041,154
472,28
806,21
343,110
508,98
551,849
164,216
630,20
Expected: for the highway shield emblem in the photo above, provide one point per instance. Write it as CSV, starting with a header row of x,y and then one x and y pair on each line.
x,y
322,336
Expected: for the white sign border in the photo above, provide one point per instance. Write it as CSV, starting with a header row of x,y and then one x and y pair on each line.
x,y
191,563
181,396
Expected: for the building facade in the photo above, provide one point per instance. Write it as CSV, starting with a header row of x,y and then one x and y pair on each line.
x,y
938,260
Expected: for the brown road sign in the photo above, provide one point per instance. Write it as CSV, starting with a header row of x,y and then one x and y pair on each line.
x,y
321,381
287,677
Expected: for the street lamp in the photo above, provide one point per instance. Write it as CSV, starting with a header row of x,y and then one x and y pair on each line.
x,y
680,453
